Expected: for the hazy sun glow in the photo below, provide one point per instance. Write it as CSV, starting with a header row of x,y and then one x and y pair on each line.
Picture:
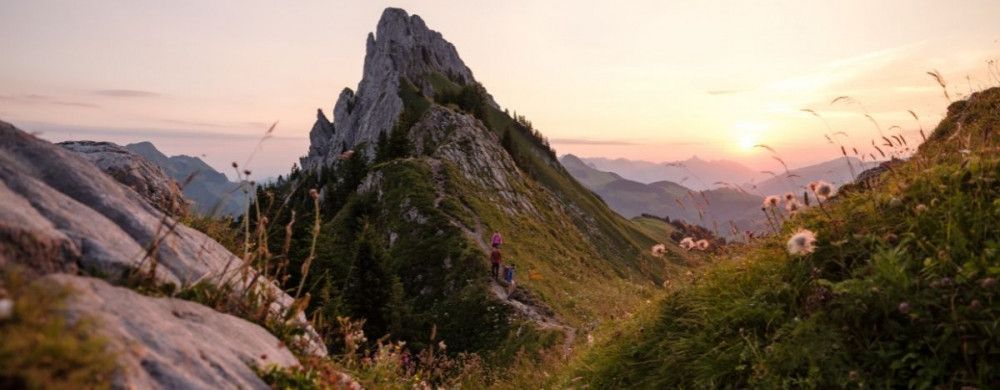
x,y
747,141
747,134
644,79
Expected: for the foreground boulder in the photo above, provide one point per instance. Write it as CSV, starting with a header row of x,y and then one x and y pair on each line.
x,y
60,213
134,171
172,343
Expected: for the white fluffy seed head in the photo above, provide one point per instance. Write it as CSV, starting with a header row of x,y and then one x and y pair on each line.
x,y
688,243
803,242
825,190
658,250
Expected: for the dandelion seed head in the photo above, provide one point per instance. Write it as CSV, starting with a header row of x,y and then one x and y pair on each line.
x,y
6,308
789,197
921,208
687,243
793,206
658,250
803,242
703,244
771,201
904,307
824,190
313,193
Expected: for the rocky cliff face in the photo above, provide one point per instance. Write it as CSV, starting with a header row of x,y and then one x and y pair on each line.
x,y
462,140
134,171
402,46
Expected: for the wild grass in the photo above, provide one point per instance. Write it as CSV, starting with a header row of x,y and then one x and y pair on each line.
x,y
900,289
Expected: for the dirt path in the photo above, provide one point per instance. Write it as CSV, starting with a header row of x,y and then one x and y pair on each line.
x,y
475,233
541,320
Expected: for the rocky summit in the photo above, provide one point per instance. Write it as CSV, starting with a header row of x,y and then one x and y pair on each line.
x,y
402,46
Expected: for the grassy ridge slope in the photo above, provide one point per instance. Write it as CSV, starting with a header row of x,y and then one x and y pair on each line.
x,y
901,290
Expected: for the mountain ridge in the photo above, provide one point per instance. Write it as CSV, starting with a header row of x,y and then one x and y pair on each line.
x,y
728,212
422,162
210,191
695,172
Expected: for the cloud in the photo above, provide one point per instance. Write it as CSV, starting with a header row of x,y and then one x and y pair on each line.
x,y
584,141
125,93
75,132
182,122
718,92
34,99
237,125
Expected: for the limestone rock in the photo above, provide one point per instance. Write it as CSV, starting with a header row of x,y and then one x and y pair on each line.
x,y
402,46
171,343
463,140
59,212
134,171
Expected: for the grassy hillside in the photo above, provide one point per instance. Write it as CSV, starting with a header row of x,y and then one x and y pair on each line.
x,y
901,290
617,240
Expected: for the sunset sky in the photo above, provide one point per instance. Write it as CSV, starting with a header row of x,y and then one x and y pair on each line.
x,y
658,80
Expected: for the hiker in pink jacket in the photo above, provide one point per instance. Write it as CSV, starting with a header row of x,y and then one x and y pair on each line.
x,y
497,239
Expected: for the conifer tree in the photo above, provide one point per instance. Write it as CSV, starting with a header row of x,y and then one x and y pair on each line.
x,y
372,291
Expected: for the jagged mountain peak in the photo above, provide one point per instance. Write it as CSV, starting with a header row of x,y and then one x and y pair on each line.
x,y
401,48
412,49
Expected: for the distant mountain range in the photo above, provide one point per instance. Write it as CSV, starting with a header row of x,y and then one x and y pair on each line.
x,y
697,174
693,173
210,191
700,201
713,208
836,171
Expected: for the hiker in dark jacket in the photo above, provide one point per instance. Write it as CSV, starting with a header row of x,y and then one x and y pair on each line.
x,y
495,259
508,276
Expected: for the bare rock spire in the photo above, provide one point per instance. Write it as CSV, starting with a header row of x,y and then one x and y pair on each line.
x,y
401,47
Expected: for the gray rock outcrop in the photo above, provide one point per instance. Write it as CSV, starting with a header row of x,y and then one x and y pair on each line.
x,y
134,171
61,213
402,46
171,343
461,139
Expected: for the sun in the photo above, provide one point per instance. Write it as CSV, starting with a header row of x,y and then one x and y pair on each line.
x,y
747,135
747,141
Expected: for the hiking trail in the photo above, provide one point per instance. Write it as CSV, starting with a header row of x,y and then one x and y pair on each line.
x,y
526,309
